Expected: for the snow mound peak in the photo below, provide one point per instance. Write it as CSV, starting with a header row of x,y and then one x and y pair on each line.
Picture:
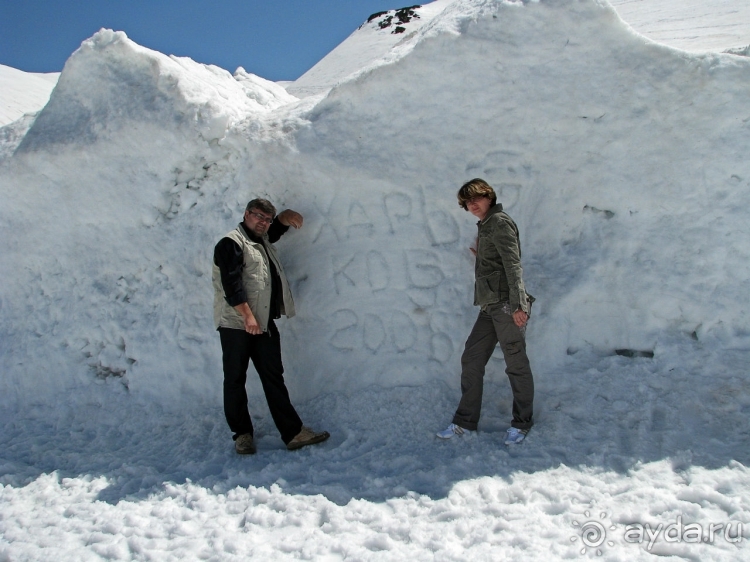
x,y
266,94
111,81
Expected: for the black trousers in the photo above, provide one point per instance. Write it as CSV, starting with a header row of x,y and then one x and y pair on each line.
x,y
238,348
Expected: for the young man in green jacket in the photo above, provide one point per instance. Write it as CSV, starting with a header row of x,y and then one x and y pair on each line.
x,y
504,311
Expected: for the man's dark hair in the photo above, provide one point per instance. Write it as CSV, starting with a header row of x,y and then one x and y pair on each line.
x,y
262,205
476,188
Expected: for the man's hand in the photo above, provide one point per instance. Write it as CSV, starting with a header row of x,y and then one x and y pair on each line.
x,y
251,324
288,217
520,318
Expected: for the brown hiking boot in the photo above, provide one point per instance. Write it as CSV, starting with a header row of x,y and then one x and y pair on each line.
x,y
244,445
307,437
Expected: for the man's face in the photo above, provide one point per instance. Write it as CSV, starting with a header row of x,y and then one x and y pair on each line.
x,y
258,221
479,206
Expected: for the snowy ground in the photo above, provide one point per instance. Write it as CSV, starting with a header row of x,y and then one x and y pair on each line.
x,y
169,487
625,165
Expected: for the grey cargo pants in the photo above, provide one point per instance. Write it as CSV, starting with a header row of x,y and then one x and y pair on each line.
x,y
495,324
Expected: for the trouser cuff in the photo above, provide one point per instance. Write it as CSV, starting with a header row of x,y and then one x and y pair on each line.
x,y
465,425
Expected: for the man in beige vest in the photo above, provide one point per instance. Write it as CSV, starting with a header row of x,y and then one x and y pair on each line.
x,y
250,292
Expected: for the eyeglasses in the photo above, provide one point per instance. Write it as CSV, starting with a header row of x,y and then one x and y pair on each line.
x,y
261,218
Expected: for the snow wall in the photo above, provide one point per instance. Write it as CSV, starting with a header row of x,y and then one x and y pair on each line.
x,y
623,162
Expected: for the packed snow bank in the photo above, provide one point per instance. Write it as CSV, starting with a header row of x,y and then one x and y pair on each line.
x,y
124,144
622,161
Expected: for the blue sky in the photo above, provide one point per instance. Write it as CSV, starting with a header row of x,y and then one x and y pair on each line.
x,y
275,39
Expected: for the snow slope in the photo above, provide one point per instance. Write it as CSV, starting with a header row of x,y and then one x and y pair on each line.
x,y
23,92
368,45
692,25
624,164
696,26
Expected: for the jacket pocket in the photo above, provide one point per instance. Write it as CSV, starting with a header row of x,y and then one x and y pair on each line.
x,y
488,287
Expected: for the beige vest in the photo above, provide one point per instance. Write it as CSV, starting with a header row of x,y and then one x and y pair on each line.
x,y
256,280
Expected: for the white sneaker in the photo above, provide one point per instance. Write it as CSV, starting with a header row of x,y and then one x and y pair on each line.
x,y
452,430
514,436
